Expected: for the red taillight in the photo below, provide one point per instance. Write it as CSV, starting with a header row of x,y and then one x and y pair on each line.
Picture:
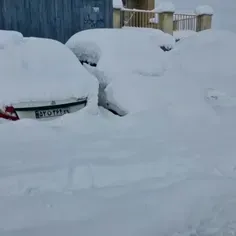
x,y
10,109
9,113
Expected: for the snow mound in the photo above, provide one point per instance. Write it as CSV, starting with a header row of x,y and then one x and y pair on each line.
x,y
204,10
198,64
210,56
10,37
40,70
117,4
137,83
122,48
127,59
165,7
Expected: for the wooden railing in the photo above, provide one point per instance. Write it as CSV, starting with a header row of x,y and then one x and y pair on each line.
x,y
185,22
139,18
150,19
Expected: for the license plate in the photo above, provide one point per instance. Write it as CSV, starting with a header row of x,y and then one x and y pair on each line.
x,y
39,114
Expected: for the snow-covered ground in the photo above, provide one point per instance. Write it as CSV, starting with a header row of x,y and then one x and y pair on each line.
x,y
111,176
167,168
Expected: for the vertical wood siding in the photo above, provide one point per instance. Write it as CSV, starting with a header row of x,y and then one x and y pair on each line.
x,y
56,19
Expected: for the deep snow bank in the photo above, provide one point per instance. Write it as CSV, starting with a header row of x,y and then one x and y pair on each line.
x,y
208,60
201,76
209,51
142,170
42,69
137,77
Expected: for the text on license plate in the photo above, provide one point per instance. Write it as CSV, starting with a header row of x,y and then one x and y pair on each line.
x,y
51,113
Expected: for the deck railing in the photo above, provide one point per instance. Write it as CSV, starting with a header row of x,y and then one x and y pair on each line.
x,y
139,18
165,21
150,19
185,22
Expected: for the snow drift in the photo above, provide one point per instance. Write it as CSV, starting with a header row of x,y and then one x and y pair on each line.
x,y
207,52
210,57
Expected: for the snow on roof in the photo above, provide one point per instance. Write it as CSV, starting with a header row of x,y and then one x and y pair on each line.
x,y
204,10
117,4
165,7
41,69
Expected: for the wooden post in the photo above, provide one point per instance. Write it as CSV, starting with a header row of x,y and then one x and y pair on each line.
x,y
117,18
204,17
166,13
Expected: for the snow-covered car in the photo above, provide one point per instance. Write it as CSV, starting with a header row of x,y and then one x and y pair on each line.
x,y
127,62
41,79
136,75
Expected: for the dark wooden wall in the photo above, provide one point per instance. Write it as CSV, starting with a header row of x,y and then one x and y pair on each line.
x,y
56,19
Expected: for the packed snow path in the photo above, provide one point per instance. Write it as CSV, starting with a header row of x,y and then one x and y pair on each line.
x,y
107,176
